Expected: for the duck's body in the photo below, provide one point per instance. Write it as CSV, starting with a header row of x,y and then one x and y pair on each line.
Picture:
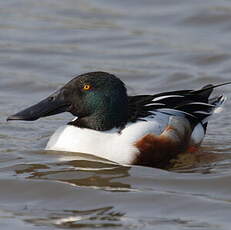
x,y
114,145
121,146
146,129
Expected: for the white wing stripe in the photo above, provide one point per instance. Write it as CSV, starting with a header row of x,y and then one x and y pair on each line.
x,y
175,112
200,103
154,104
164,97
203,112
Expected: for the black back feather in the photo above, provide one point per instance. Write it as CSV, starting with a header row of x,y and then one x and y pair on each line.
x,y
195,103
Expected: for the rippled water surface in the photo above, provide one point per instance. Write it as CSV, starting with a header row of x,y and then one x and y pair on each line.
x,y
152,46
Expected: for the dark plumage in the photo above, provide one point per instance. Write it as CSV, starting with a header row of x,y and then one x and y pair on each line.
x,y
195,103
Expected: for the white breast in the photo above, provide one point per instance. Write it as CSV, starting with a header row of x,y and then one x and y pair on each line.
x,y
112,145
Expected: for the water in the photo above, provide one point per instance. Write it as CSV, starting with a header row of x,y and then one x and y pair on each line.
x,y
152,46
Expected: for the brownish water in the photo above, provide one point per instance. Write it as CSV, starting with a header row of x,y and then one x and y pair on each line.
x,y
153,46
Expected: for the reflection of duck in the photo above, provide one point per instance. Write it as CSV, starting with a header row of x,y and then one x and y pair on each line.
x,y
84,172
144,129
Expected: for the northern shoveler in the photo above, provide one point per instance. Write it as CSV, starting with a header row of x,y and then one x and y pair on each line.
x,y
143,129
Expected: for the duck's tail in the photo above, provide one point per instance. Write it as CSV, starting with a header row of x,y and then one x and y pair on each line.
x,y
209,105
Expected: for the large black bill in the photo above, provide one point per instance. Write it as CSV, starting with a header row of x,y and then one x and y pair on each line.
x,y
50,106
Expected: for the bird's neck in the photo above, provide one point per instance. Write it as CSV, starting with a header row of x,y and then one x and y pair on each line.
x,y
103,120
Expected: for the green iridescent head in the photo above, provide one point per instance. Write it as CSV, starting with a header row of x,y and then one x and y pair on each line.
x,y
98,99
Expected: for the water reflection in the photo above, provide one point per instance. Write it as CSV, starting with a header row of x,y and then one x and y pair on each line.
x,y
96,218
85,171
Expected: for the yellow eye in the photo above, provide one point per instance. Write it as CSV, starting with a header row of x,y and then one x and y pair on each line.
x,y
86,87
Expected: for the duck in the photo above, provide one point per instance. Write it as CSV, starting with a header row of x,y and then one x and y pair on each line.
x,y
147,130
